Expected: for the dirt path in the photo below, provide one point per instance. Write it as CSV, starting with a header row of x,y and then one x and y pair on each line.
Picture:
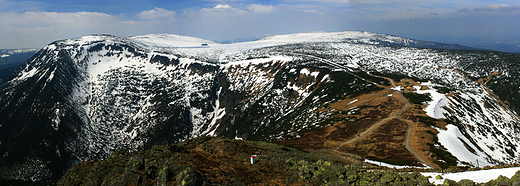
x,y
409,133
370,130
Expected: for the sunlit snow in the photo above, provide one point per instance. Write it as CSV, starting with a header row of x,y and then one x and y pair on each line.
x,y
435,106
481,176
452,139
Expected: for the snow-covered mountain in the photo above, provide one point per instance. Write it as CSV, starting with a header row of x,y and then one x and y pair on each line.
x,y
11,58
84,98
8,56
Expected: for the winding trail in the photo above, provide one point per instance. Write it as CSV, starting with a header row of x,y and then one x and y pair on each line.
x,y
370,130
409,133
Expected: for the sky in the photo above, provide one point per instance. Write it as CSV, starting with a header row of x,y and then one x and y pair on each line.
x,y
34,24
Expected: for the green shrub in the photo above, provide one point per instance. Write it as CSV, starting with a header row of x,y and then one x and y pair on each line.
x,y
417,98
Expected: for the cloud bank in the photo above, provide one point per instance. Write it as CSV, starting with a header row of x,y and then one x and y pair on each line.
x,y
221,20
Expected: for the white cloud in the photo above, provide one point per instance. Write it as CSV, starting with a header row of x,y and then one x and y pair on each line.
x,y
36,29
498,6
490,10
155,14
71,20
311,11
251,8
324,1
220,8
232,21
257,8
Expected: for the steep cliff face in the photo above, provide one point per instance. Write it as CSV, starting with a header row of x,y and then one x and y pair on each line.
x,y
85,98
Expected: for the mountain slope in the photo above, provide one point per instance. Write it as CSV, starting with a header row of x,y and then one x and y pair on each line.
x,y
85,98
210,161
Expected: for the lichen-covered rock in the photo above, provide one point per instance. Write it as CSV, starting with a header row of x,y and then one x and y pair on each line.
x,y
221,161
450,182
326,173
501,180
516,177
466,182
190,177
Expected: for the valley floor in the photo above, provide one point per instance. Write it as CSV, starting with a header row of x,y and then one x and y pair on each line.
x,y
382,125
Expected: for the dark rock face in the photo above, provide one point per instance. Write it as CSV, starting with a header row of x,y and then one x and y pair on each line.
x,y
64,106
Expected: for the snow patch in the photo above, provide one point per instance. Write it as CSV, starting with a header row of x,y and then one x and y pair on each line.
x,y
56,119
246,63
27,74
397,88
325,78
435,106
217,115
236,136
451,140
481,176
305,71
393,166
315,74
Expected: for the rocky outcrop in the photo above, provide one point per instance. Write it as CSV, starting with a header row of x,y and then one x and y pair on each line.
x,y
221,161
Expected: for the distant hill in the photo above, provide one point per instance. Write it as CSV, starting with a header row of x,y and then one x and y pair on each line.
x,y
11,58
14,57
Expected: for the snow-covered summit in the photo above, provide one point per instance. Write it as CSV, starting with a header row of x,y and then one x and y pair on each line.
x,y
355,37
330,37
171,40
88,39
216,52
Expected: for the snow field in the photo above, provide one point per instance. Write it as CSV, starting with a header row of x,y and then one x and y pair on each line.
x,y
435,106
394,166
451,140
481,176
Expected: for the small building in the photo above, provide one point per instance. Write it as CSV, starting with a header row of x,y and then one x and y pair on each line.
x,y
408,87
253,159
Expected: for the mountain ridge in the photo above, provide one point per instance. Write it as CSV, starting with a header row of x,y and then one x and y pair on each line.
x,y
87,97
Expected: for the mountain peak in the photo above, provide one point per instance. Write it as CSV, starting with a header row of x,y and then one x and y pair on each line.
x,y
172,40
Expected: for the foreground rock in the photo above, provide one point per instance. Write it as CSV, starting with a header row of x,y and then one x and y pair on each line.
x,y
220,161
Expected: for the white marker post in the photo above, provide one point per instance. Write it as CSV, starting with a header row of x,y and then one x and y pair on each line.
x,y
253,159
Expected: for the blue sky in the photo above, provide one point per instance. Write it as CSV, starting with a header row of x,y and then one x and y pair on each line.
x,y
33,24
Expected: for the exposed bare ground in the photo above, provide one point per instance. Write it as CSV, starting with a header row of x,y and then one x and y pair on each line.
x,y
372,108
419,156
386,108
373,130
